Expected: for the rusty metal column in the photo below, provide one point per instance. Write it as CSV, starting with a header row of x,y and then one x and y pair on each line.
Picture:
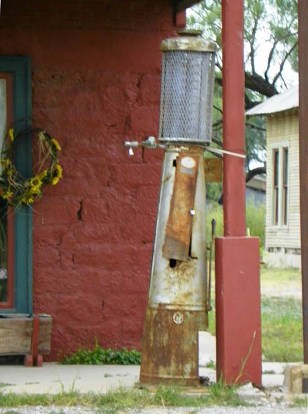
x,y
303,158
238,320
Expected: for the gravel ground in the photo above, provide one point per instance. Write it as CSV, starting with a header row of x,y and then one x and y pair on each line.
x,y
209,410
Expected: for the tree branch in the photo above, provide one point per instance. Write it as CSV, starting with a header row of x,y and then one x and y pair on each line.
x,y
256,83
287,55
256,171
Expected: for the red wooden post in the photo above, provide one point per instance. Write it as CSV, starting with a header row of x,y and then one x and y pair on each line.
x,y
238,322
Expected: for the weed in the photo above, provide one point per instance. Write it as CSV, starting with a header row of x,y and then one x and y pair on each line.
x,y
210,364
124,397
98,355
300,402
221,394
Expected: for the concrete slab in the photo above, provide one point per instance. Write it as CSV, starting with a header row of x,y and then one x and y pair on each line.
x,y
54,379
207,349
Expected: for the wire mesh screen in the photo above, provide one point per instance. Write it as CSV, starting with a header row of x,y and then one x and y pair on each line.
x,y
186,96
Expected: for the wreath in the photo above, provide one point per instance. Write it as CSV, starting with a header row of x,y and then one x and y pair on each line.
x,y
18,190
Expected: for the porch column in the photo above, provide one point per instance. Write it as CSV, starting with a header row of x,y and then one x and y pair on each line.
x,y
238,321
303,159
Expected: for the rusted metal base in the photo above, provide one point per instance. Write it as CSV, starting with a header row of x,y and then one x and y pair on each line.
x,y
170,346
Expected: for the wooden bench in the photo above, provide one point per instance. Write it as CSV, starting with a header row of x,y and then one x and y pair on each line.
x,y
26,335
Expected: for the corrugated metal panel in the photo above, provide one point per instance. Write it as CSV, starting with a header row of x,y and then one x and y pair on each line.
x,y
278,103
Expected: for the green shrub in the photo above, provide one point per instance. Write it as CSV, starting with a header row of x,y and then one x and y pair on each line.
x,y
99,355
255,221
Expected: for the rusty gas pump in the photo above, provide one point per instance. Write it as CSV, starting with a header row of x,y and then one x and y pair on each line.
x,y
177,303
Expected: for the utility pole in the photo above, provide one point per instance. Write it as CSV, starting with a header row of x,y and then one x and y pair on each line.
x,y
303,160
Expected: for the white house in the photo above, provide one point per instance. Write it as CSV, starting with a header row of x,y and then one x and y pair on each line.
x,y
282,236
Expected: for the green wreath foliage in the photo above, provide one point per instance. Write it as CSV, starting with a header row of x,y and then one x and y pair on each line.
x,y
18,190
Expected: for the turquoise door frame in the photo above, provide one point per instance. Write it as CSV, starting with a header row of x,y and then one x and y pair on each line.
x,y
20,70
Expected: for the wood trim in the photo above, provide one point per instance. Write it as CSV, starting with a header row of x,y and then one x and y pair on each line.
x,y
9,303
20,69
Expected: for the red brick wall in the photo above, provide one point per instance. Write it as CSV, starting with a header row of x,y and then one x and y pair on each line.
x,y
96,81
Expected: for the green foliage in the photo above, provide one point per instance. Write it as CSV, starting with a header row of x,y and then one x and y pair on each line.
x,y
270,33
213,192
255,219
270,44
99,355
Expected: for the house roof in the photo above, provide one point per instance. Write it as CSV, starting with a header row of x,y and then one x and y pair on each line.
x,y
278,103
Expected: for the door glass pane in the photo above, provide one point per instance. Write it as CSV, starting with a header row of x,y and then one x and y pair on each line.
x,y
3,206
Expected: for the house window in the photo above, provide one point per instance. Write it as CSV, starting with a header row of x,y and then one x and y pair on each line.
x,y
280,186
16,226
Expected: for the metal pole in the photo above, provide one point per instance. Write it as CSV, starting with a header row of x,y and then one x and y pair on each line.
x,y
233,117
303,158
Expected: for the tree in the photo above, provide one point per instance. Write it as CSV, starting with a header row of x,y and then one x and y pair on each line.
x,y
270,39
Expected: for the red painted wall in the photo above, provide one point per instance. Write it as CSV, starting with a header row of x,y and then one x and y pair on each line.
x,y
96,81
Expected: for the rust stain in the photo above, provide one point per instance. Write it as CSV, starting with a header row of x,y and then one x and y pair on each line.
x,y
170,346
179,225
213,170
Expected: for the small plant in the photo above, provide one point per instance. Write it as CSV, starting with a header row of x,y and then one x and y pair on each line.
x,y
99,356
222,394
211,364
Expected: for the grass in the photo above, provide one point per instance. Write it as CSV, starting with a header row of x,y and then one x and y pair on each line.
x,y
281,317
282,329
114,401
